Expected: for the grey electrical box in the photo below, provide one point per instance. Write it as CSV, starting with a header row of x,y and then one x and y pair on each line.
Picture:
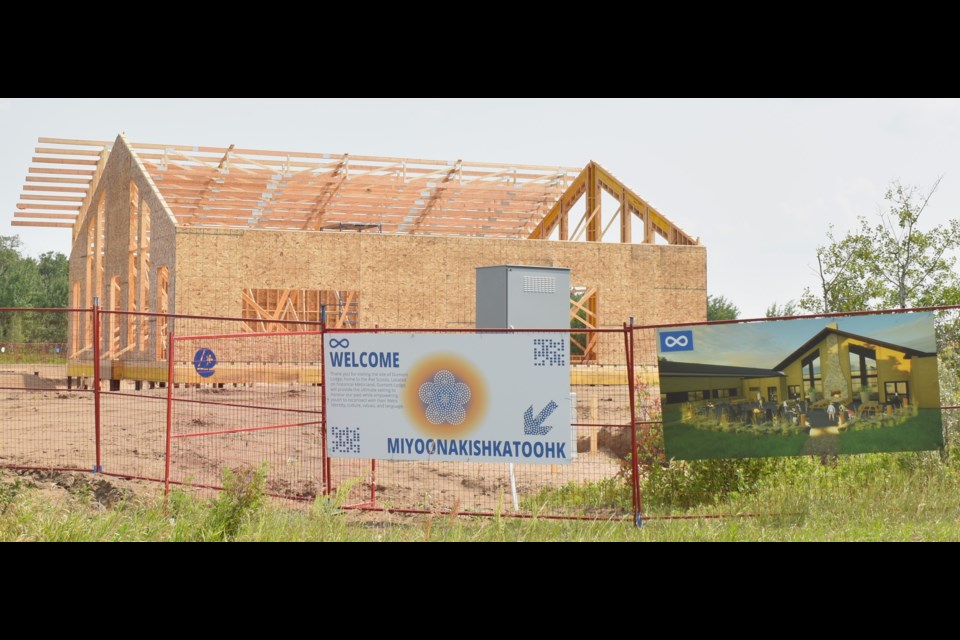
x,y
523,298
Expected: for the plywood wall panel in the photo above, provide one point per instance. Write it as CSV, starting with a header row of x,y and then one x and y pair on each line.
x,y
410,281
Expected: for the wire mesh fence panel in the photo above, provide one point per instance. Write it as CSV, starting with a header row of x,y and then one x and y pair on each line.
x,y
133,405
593,483
948,346
248,400
132,432
248,393
649,410
47,393
591,487
839,385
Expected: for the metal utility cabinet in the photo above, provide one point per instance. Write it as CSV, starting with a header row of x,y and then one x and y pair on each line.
x,y
520,297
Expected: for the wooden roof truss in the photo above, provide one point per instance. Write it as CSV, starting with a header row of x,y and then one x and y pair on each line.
x,y
591,182
259,189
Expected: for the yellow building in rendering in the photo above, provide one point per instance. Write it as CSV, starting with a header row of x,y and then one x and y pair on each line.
x,y
837,366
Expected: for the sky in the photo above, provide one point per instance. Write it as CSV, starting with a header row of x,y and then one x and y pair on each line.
x,y
765,345
758,180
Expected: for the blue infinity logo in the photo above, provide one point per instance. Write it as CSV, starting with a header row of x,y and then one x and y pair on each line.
x,y
676,341
339,344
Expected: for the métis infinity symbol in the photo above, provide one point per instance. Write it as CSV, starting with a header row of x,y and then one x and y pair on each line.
x,y
339,344
672,343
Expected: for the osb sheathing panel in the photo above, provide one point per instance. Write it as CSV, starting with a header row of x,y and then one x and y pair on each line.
x,y
120,170
422,282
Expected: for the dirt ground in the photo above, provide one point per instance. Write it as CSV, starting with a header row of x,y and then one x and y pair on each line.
x,y
101,491
46,425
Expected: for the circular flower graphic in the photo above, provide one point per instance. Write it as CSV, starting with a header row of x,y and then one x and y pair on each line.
x,y
445,396
446,399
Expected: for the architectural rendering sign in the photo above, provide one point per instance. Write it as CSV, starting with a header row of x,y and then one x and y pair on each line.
x,y
470,398
801,387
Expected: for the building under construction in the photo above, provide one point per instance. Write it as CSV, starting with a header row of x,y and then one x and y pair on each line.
x,y
279,237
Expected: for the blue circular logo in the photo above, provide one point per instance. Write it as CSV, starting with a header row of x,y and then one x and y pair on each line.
x,y
339,344
205,362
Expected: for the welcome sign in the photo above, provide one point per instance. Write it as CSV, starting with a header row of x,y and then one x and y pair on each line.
x,y
469,398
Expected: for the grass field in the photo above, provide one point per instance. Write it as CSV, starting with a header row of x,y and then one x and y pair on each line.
x,y
923,432
904,497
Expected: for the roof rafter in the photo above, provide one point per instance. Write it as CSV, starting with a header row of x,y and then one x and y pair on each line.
x,y
255,188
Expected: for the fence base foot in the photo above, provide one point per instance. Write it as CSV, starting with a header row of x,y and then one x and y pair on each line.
x,y
639,521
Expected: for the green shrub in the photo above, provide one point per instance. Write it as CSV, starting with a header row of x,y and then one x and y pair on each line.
x,y
242,499
243,495
686,485
9,492
611,496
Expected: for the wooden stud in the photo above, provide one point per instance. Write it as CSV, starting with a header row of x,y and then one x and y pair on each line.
x,y
33,197
47,179
594,224
45,216
66,152
66,161
626,221
42,225
564,221
47,207
31,188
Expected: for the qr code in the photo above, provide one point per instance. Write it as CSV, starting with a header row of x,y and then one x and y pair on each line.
x,y
549,353
345,441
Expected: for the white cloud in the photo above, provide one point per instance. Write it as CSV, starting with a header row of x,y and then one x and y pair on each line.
x,y
858,197
922,116
934,105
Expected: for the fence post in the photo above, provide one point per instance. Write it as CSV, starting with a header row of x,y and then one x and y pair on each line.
x,y
324,458
634,461
373,463
170,378
95,311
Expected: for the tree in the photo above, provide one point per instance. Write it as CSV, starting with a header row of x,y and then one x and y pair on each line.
x,y
54,269
719,308
843,270
14,291
891,263
787,310
28,283
916,266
